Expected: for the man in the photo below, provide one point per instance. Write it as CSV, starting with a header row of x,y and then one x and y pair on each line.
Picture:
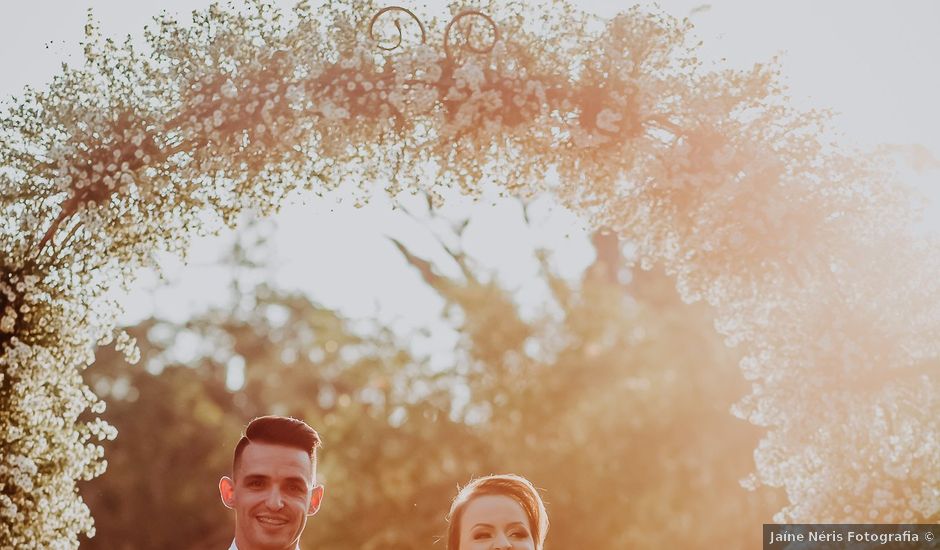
x,y
273,488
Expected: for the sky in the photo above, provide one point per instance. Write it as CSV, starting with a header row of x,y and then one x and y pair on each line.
x,y
873,62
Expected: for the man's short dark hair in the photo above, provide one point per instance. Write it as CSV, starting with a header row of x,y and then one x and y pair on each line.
x,y
279,430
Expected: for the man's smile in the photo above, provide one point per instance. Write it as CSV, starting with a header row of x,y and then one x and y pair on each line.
x,y
273,521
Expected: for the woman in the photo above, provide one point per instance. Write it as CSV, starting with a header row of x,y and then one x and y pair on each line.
x,y
497,512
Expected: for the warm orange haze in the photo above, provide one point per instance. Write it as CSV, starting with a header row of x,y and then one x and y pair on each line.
x,y
483,276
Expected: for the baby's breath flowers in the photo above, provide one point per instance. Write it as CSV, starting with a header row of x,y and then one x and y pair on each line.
x,y
802,249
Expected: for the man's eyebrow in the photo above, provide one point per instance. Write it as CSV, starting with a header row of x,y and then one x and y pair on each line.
x,y
254,476
296,479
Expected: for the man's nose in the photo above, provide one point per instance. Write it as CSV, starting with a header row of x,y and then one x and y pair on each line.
x,y
274,500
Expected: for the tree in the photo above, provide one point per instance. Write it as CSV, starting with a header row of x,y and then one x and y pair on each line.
x,y
390,452
615,401
626,431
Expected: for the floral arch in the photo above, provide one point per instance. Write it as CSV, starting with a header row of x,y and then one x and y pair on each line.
x,y
803,248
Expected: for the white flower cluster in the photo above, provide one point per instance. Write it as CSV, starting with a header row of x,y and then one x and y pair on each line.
x,y
45,447
128,345
419,63
469,75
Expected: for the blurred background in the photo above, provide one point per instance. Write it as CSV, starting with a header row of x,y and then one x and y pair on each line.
x,y
609,393
428,346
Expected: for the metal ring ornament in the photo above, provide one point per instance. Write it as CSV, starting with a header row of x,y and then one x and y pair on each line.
x,y
375,18
468,45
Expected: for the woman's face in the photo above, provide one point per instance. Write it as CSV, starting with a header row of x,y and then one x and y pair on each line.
x,y
495,522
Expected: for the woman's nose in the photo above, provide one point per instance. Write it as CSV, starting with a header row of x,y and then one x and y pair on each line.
x,y
502,542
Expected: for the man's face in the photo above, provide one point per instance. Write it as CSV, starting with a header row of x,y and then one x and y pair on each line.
x,y
272,494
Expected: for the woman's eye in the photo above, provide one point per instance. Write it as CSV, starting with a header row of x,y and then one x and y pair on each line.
x,y
519,534
481,535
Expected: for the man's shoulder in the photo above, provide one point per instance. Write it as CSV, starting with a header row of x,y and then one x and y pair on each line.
x,y
233,547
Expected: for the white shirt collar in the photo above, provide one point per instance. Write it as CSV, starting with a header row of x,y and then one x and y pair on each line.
x,y
233,547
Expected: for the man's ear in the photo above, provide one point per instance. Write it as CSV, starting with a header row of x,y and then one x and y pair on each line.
x,y
227,490
315,499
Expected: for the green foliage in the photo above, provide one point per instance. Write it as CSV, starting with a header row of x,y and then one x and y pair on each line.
x,y
614,402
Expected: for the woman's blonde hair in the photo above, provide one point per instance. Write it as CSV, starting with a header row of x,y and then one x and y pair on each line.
x,y
515,487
